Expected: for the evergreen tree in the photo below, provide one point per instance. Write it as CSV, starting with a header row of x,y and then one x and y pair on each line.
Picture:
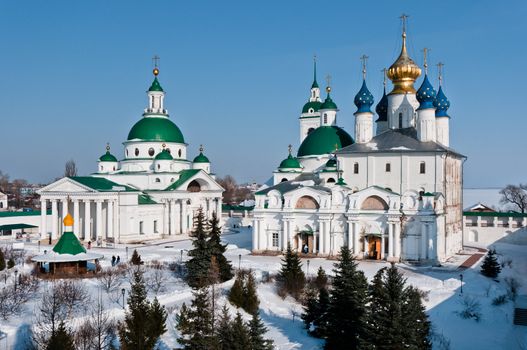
x,y
490,267
217,249
2,260
136,258
310,309
236,292
240,332
196,326
416,321
257,331
224,333
250,298
143,323
321,321
61,339
10,263
291,279
198,266
347,314
321,281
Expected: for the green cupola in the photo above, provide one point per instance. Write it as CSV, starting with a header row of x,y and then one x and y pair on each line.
x,y
290,163
324,140
164,155
107,157
201,158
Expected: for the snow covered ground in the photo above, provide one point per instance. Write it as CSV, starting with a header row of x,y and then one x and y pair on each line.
x,y
282,317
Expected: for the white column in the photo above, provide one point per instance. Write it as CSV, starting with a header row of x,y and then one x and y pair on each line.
x,y
76,218
98,218
382,246
315,242
177,217
356,239
284,235
172,217
65,208
109,220
291,234
391,245
261,236
43,216
397,241
255,234
424,241
166,217
87,220
54,219
350,236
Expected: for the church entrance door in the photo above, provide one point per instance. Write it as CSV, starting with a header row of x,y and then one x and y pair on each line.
x,y
374,247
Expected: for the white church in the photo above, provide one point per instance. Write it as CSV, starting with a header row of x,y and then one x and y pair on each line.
x,y
394,193
153,191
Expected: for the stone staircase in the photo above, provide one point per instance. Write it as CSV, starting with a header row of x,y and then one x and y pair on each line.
x,y
520,311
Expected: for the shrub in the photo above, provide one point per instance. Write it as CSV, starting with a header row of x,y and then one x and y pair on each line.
x,y
512,287
136,258
471,309
10,263
500,300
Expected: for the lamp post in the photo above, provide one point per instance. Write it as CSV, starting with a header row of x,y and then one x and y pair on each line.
x,y
16,274
126,254
461,279
181,255
239,261
123,291
307,272
39,246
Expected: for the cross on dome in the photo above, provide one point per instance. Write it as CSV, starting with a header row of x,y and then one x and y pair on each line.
x,y
364,59
425,57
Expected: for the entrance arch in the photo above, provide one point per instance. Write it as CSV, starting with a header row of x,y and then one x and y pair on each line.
x,y
307,202
194,186
374,203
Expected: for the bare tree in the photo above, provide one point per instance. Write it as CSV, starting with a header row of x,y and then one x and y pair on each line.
x,y
110,279
51,313
13,297
515,195
73,295
70,168
97,332
4,181
156,279
234,194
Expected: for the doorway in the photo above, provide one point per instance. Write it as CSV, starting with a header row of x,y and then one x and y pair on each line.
x,y
374,247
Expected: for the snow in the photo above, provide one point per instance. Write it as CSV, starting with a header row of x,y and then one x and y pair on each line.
x,y
487,196
372,146
400,148
442,284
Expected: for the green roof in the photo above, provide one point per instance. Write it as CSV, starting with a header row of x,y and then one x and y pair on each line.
x,y
428,194
156,129
69,244
108,157
155,86
99,183
290,163
341,182
145,199
328,104
314,104
331,163
21,213
164,155
185,175
512,214
323,140
201,158
236,207
16,227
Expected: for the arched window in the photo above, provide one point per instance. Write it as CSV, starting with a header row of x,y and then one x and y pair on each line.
x,y
283,180
2,205
311,110
194,186
331,180
113,168
179,153
388,167
355,168
172,180
127,152
158,179
168,150
400,120
151,151
310,130
422,168
102,168
158,166
136,152
307,202
325,118
374,203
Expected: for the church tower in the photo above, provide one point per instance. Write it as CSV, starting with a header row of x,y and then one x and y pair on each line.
x,y
382,109
441,103
426,118
363,117
402,101
310,117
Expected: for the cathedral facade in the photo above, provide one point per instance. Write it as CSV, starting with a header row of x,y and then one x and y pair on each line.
x,y
393,194
153,191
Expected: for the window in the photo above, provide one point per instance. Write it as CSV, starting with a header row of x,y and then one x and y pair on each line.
x,y
283,180
179,153
331,180
102,168
151,151
422,168
155,226
400,120
275,239
158,166
311,110
136,152
356,168
310,130
113,168
141,228
168,150
172,180
388,167
127,152
325,118
157,179
1,204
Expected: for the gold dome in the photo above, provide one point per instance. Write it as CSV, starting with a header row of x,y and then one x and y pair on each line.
x,y
403,72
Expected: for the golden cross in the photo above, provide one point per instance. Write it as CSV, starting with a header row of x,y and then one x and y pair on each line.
x,y
384,70
201,149
108,146
155,59
404,19
426,50
290,148
328,79
364,58
440,72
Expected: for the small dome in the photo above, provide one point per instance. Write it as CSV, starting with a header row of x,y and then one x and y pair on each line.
x,y
155,86
315,105
403,72
441,103
363,99
328,103
290,163
382,108
341,182
108,157
201,158
156,129
331,163
68,220
164,155
324,140
426,94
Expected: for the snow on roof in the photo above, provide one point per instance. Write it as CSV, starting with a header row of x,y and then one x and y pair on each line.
x,y
490,197
51,256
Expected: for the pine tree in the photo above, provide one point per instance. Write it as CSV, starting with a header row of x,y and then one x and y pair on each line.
x,y
224,333
195,327
416,321
257,331
236,292
198,266
240,332
61,339
321,281
10,263
2,260
490,267
250,297
347,313
136,258
157,317
291,279
321,321
218,250
310,309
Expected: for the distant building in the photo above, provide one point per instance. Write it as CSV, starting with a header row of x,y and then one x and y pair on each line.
x,y
3,201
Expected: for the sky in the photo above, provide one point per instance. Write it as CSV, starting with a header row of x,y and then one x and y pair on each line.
x,y
73,76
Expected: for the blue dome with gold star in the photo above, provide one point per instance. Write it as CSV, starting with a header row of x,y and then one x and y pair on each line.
x,y
382,108
426,94
363,99
441,103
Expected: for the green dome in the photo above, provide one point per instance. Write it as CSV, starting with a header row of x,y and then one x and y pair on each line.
x,y
323,141
314,104
328,104
331,163
155,86
164,155
108,157
201,158
290,163
156,129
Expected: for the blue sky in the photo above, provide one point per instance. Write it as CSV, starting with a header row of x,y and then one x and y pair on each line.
x,y
73,76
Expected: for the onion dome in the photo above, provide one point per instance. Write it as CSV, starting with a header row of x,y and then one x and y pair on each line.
x,y
324,140
156,129
164,155
290,162
441,103
403,72
363,99
68,220
331,163
155,84
328,103
311,105
341,182
201,158
426,94
382,108
108,157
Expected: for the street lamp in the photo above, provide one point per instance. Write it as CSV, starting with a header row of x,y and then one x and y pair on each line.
x,y
123,291
239,261
181,255
307,273
461,278
16,274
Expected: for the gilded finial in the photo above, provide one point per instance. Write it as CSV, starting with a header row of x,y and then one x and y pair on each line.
x,y
155,59
107,147
425,57
201,149
384,70
328,80
404,18
440,66
364,58
290,149
336,147
163,145
68,220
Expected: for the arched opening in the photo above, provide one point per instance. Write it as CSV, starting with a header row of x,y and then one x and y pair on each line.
x,y
374,203
136,152
307,202
472,236
400,120
422,168
151,152
355,168
158,179
194,186
1,204
283,180
310,130
331,180
179,153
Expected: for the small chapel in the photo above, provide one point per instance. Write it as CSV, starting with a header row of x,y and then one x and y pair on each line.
x,y
390,192
150,191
